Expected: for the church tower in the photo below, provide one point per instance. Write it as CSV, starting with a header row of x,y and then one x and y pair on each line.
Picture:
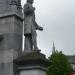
x,y
53,48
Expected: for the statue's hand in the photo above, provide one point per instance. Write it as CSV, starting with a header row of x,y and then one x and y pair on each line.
x,y
40,28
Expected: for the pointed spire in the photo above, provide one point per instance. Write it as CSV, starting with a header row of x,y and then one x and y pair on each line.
x,y
53,48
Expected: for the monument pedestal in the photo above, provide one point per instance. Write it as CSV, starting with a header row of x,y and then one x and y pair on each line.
x,y
33,63
33,72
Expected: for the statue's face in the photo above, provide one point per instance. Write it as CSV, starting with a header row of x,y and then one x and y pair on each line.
x,y
30,1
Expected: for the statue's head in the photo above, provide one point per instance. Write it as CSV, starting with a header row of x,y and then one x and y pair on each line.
x,y
30,1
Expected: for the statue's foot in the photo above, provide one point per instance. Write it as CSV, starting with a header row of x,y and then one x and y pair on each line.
x,y
37,50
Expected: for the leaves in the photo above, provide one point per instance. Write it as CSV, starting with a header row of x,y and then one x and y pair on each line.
x,y
59,64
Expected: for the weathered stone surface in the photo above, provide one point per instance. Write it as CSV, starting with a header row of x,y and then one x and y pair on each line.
x,y
7,56
5,5
7,69
11,28
33,63
12,36
33,72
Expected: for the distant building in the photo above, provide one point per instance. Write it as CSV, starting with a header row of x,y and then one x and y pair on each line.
x,y
71,60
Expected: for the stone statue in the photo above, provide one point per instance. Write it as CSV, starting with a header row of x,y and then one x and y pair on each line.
x,y
30,27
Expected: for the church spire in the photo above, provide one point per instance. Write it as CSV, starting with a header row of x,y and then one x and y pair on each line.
x,y
53,48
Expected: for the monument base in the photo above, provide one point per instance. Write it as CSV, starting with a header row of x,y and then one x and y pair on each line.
x,y
33,72
33,63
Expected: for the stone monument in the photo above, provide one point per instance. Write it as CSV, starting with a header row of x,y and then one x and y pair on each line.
x,y
12,60
30,27
31,62
11,26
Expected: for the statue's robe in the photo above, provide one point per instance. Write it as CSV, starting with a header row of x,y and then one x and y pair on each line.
x,y
30,25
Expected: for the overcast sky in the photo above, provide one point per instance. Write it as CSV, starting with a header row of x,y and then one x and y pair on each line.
x,y
57,17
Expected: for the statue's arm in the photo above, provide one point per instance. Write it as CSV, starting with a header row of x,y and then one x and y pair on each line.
x,y
28,9
38,27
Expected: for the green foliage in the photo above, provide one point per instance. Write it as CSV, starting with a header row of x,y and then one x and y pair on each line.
x,y
59,64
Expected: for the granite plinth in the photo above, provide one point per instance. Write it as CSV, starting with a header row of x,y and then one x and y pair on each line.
x,y
31,62
33,72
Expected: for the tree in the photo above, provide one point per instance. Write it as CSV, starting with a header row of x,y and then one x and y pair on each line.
x,y
59,64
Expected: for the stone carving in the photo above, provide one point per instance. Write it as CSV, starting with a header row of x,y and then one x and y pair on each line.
x,y
16,2
30,27
13,2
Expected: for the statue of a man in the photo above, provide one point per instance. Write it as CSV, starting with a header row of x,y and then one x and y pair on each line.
x,y
30,26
